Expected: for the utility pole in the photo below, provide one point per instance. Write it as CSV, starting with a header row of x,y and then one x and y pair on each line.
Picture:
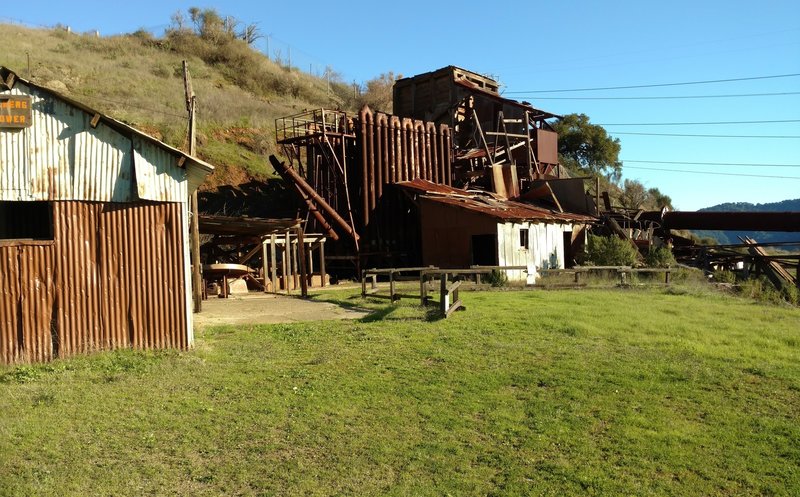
x,y
597,195
194,235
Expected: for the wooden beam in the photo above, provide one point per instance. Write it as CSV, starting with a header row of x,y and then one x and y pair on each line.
x,y
606,201
265,264
197,268
287,263
250,254
273,258
302,257
322,273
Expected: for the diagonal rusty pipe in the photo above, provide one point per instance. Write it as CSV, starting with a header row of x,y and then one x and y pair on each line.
x,y
289,174
312,208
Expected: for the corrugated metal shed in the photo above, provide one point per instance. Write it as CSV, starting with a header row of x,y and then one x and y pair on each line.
x,y
64,157
114,271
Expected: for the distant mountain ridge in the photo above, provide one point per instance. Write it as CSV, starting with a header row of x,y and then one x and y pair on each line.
x,y
782,206
732,237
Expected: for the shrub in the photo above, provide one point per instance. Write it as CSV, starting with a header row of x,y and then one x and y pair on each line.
x,y
497,278
610,251
659,257
760,289
722,276
791,294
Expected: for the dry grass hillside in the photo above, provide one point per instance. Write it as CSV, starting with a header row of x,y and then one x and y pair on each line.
x,y
138,79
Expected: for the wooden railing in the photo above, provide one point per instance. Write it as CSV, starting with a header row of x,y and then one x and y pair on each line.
x,y
623,272
449,301
393,274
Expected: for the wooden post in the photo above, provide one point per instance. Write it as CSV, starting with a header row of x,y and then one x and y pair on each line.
x,y
273,241
265,262
597,195
666,276
363,284
391,286
322,272
423,291
194,242
295,267
529,150
287,265
301,257
443,296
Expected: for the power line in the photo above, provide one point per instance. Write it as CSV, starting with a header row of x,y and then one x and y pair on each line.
x,y
706,123
715,173
735,95
656,85
744,164
790,137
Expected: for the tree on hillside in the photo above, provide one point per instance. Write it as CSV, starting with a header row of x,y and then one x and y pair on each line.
x,y
660,200
633,195
587,148
378,92
250,33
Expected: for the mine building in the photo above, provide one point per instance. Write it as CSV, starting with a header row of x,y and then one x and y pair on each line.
x,y
93,230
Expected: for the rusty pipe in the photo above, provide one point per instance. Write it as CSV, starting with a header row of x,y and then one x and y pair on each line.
x,y
287,173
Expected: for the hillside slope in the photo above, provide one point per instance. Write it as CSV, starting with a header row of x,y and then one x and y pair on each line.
x,y
138,79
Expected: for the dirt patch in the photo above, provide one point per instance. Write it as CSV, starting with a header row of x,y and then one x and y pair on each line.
x,y
260,308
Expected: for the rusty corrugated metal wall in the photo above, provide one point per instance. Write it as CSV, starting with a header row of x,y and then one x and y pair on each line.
x,y
113,276
394,149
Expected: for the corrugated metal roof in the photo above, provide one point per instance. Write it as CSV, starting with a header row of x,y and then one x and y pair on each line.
x,y
488,204
62,157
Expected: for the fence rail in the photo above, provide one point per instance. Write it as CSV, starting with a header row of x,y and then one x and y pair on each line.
x,y
624,272
448,292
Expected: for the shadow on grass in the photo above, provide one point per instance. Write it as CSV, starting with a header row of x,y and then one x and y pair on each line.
x,y
345,303
357,303
378,315
433,314
380,309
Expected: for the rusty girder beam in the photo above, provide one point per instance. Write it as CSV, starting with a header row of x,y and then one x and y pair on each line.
x,y
291,176
739,221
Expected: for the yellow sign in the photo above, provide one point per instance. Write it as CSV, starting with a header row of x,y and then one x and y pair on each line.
x,y
15,111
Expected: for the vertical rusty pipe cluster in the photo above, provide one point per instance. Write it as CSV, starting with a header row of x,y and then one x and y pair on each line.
x,y
395,149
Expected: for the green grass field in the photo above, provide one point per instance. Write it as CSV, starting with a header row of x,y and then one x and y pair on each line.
x,y
592,392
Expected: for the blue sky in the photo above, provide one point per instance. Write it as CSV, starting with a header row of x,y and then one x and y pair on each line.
x,y
534,46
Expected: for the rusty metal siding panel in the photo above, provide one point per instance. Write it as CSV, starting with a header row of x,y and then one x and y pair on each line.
x,y
547,146
26,302
113,277
37,301
158,176
9,304
13,164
